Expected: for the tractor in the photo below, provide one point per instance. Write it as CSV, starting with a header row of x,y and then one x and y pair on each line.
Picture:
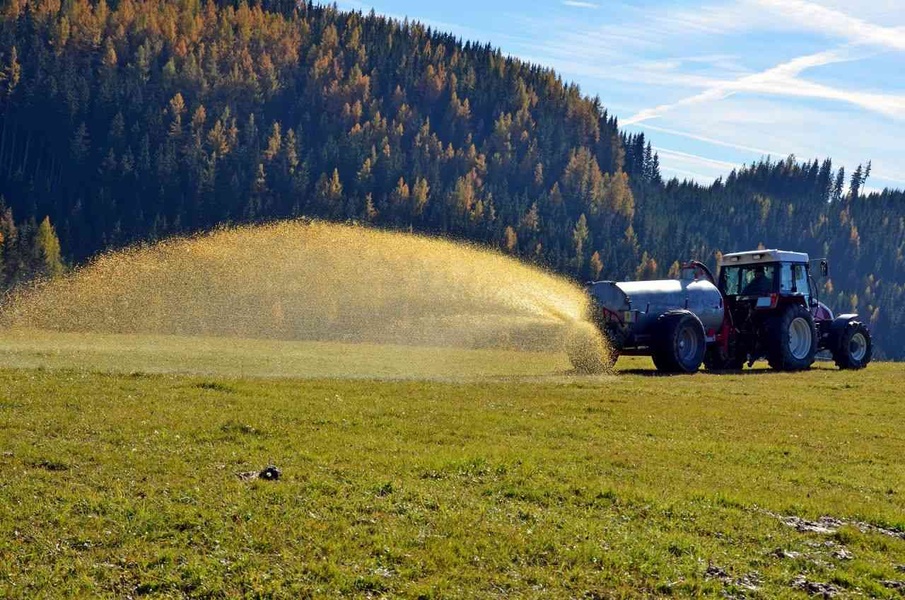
x,y
764,305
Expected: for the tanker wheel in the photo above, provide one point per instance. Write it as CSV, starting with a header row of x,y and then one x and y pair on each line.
x,y
679,343
792,340
854,347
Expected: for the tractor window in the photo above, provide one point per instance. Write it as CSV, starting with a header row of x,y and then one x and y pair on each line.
x,y
748,280
729,280
786,279
802,285
794,280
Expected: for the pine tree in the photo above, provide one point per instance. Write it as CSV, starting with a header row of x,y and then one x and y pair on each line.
x,y
46,251
856,182
839,185
596,265
510,240
580,236
9,237
10,74
420,195
329,192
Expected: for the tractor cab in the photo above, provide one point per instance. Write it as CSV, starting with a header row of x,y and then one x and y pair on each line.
x,y
763,289
773,311
767,279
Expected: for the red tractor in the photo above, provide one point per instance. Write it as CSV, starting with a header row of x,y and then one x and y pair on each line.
x,y
765,304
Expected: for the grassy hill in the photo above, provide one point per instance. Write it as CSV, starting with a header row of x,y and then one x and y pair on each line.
x,y
486,474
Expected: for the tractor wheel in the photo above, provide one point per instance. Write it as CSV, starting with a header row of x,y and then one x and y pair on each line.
x,y
792,340
854,347
679,343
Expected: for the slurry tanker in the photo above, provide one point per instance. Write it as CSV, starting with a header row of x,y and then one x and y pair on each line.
x,y
764,304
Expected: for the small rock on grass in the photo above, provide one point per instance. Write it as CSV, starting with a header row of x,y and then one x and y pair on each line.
x,y
715,572
815,588
843,554
269,473
821,525
749,582
893,584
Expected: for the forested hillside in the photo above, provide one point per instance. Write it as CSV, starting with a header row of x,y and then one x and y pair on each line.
x,y
135,120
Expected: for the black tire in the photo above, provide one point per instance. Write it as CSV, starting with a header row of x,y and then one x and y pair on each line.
x,y
679,343
792,340
853,348
716,363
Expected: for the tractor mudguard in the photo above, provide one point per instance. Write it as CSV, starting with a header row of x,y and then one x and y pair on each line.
x,y
841,321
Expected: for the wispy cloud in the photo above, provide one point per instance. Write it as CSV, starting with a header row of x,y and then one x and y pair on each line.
x,y
694,175
830,21
711,140
882,175
694,159
783,80
579,4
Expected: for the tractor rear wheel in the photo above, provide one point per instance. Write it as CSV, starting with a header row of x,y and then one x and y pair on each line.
x,y
679,343
792,340
853,348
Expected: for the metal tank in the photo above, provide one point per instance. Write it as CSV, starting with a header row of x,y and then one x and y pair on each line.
x,y
638,304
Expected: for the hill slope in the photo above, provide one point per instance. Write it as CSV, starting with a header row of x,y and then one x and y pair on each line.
x,y
134,120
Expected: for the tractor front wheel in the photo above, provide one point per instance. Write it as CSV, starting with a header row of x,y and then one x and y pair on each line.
x,y
853,348
679,343
792,340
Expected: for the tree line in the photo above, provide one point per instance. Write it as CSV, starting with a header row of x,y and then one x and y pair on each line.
x,y
133,120
28,250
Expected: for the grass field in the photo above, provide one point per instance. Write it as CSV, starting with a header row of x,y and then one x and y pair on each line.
x,y
437,474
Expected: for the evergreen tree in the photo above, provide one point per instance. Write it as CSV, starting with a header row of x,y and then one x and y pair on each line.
x,y
46,251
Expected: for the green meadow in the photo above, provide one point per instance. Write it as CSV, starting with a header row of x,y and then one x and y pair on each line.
x,y
429,473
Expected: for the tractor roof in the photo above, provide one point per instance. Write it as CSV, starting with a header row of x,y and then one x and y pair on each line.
x,y
762,256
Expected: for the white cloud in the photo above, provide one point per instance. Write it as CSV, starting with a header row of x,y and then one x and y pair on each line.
x,y
713,141
694,159
783,80
885,177
578,4
645,72
693,175
846,134
830,21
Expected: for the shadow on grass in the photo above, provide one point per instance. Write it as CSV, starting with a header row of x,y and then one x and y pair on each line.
x,y
655,373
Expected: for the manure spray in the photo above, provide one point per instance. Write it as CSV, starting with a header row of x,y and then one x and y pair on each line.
x,y
300,280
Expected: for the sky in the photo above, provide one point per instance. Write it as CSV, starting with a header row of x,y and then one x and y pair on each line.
x,y
715,84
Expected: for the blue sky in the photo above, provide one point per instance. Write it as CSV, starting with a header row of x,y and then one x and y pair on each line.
x,y
716,84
